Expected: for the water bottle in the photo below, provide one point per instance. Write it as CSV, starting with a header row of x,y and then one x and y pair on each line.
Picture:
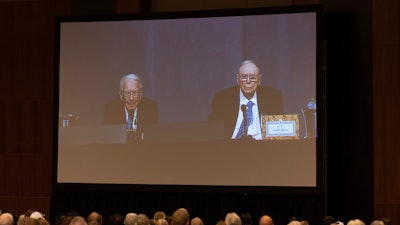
x,y
310,118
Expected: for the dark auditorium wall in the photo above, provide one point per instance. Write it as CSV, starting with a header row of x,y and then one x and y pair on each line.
x,y
386,110
363,95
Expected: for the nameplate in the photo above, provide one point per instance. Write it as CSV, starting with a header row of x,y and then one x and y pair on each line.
x,y
280,127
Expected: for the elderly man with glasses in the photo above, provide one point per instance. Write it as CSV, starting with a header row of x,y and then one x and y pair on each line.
x,y
131,108
240,107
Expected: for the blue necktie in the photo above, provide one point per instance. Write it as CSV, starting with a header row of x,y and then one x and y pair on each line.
x,y
249,115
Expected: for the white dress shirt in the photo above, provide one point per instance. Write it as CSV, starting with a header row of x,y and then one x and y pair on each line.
x,y
255,126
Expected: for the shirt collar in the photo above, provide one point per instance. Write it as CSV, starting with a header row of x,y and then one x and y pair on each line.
x,y
244,100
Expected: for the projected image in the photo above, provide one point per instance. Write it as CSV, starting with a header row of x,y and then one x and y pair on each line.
x,y
183,63
193,90
131,108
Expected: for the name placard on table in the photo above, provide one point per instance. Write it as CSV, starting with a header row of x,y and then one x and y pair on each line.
x,y
280,127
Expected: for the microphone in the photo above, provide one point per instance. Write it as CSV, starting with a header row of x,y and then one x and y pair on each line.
x,y
243,108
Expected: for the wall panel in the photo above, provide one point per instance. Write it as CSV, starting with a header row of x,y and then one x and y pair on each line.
x,y
386,58
26,100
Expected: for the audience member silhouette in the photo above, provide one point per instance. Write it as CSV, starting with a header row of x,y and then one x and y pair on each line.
x,y
355,222
232,219
377,222
180,217
196,221
29,221
142,219
386,221
246,218
162,222
116,219
328,220
95,216
130,218
294,222
266,220
159,215
6,219
78,220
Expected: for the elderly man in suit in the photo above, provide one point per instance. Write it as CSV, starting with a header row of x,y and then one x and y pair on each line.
x,y
240,107
131,108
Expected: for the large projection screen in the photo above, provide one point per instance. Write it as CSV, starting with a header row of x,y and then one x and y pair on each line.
x,y
183,60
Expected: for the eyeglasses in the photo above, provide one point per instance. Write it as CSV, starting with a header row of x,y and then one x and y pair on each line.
x,y
251,77
128,94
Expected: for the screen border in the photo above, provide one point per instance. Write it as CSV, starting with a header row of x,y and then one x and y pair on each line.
x,y
321,102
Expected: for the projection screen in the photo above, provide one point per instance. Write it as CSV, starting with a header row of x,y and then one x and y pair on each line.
x,y
183,60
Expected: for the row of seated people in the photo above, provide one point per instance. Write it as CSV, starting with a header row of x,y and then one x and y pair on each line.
x,y
180,217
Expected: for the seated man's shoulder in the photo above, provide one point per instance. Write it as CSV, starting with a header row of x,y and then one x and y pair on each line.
x,y
268,89
148,101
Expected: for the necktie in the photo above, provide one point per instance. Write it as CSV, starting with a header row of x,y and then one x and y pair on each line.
x,y
130,121
249,115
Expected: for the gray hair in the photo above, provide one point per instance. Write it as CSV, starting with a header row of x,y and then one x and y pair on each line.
x,y
78,220
232,219
130,218
142,219
130,77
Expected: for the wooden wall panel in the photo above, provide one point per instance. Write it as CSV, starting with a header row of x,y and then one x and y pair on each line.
x,y
128,6
386,70
26,101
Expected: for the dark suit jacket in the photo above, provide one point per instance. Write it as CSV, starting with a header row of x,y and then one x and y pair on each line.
x,y
147,112
225,105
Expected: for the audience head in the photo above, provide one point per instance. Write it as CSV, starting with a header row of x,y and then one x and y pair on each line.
x,y
93,222
162,222
386,221
232,219
28,221
196,221
220,222
20,218
116,219
159,215
43,221
248,78
246,218
67,219
130,218
266,220
355,222
328,220
180,217
95,216
130,91
377,222
36,215
142,219
78,220
6,219
29,212
294,222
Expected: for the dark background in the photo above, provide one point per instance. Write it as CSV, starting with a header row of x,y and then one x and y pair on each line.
x,y
363,95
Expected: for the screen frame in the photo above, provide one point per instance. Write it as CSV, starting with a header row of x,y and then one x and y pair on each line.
x,y
321,102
